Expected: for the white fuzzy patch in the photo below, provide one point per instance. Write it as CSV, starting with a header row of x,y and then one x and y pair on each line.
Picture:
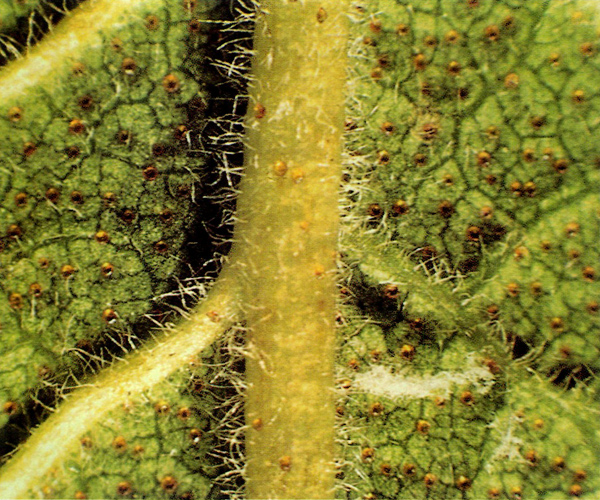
x,y
509,448
382,382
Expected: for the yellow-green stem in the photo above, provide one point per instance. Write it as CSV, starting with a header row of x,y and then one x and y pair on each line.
x,y
287,233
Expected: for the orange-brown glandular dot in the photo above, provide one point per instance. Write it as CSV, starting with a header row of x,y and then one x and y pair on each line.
x,y
128,66
376,409
166,216
529,189
391,291
494,493
119,443
537,122
124,488
171,84
587,49
512,289
400,207
576,490
280,168
448,180
561,165
15,301
285,463
321,15
589,273
116,44
512,80
473,233
85,102
181,132
15,114
423,427
109,316
463,483
407,352
29,148
452,37
162,408
86,442
420,62
195,435
385,469
430,41
10,408
554,59
578,96
161,247
388,128
420,159
367,454
102,237
454,68
446,209
528,155
484,158
402,30
195,26
572,229
76,127
508,23
409,470
467,398
35,290
558,464
14,231
77,197
169,484
150,173
67,271
21,200
383,157
430,480
492,33
107,269
152,22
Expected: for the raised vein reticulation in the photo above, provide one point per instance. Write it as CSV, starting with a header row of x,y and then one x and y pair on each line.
x,y
69,40
287,232
87,406
285,258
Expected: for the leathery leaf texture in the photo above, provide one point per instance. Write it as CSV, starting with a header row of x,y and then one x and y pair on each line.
x,y
164,443
101,194
472,215
468,318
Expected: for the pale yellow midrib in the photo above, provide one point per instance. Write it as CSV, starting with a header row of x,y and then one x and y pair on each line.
x,y
137,373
